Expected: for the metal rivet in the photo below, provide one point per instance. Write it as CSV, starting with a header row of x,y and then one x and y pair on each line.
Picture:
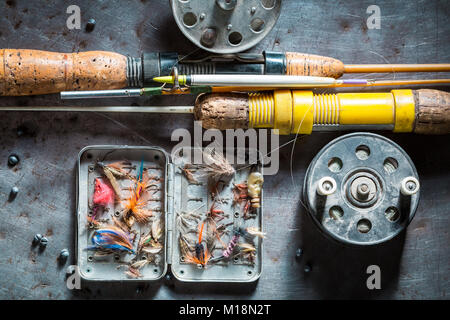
x,y
298,253
209,37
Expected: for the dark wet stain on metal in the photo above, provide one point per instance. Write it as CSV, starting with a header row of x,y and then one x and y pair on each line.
x,y
11,3
344,24
17,25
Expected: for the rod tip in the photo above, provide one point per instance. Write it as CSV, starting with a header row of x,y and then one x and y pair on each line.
x,y
182,79
166,79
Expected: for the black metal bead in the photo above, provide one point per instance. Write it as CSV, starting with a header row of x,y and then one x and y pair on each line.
x,y
90,25
63,255
37,238
13,193
307,268
13,160
43,243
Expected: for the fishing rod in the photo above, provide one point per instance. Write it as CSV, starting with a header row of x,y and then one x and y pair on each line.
x,y
32,72
423,111
198,89
280,81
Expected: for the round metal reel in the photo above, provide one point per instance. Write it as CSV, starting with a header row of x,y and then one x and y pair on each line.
x,y
225,26
370,204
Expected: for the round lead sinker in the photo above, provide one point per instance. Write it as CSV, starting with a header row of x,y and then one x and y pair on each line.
x,y
377,190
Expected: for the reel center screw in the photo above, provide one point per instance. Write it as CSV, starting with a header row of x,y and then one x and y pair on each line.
x,y
363,189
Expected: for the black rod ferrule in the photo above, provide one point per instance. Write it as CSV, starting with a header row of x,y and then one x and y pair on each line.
x,y
275,63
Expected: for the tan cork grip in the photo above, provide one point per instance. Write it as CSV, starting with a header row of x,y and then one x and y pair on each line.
x,y
432,111
29,72
300,64
222,111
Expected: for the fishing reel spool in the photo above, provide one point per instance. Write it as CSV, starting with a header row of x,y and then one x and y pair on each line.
x,y
225,26
361,189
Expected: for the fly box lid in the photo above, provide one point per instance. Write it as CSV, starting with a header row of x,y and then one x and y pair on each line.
x,y
140,211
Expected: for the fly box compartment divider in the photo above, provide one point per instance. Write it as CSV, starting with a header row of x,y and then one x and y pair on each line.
x,y
173,195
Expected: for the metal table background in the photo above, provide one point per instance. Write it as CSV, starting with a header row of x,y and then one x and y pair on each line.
x,y
414,265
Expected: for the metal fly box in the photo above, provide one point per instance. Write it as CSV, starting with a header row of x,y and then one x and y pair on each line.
x,y
174,195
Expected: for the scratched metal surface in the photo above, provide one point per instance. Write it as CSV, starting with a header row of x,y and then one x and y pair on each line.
x,y
414,265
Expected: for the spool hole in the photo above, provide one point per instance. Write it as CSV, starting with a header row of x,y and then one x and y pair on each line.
x,y
362,152
235,38
364,225
189,19
336,212
268,4
390,165
335,164
257,25
392,214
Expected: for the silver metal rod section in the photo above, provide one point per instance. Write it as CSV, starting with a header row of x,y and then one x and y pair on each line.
x,y
247,80
144,109
68,95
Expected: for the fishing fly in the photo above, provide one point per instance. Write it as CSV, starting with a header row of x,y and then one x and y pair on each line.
x,y
201,255
111,239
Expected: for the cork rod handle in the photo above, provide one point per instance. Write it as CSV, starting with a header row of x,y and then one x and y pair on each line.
x,y
30,72
432,111
301,64
232,110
